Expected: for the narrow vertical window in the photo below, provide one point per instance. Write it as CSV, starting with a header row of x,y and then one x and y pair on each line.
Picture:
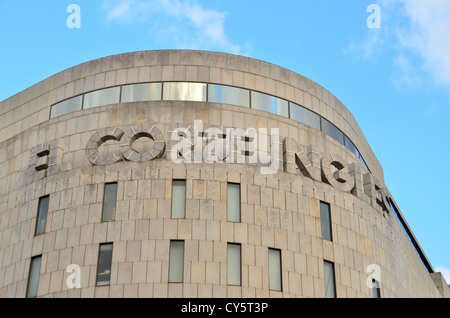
x,y
234,264
178,199
376,289
104,264
176,261
109,202
234,202
41,220
330,286
325,220
33,277
275,281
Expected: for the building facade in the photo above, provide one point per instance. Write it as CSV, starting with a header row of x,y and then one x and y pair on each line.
x,y
180,173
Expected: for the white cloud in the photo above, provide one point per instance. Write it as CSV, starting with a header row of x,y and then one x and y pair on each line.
x,y
118,10
428,35
445,272
367,48
186,22
405,72
414,34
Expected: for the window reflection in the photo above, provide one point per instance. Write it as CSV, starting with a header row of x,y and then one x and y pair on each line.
x,y
185,91
376,289
228,95
270,104
109,202
275,281
141,92
176,262
104,264
178,199
102,97
325,220
66,107
332,131
362,159
33,279
202,92
234,202
305,116
41,220
350,145
234,264
330,287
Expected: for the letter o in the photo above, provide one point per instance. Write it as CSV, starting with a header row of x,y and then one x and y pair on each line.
x,y
97,139
136,132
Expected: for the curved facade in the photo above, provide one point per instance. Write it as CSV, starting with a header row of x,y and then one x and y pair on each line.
x,y
182,173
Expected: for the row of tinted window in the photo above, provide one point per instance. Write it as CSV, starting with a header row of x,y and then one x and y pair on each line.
x,y
234,264
326,229
202,92
176,268
178,204
178,211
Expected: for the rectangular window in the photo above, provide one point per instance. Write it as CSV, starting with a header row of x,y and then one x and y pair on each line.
x,y
176,261
141,92
234,202
330,285
332,131
228,95
178,199
109,202
376,289
184,91
304,116
41,220
325,220
104,264
270,104
275,282
68,106
234,264
102,97
33,277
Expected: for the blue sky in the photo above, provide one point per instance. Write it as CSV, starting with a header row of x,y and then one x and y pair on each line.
x,y
395,79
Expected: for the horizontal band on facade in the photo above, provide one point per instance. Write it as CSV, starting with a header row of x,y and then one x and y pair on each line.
x,y
263,102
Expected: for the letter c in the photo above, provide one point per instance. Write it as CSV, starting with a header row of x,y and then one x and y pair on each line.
x,y
340,179
97,139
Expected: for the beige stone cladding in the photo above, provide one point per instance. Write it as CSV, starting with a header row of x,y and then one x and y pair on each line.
x,y
278,211
32,106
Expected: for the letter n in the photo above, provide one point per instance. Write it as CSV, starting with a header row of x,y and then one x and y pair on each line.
x,y
309,165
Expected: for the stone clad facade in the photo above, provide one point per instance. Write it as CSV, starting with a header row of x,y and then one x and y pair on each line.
x,y
54,143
